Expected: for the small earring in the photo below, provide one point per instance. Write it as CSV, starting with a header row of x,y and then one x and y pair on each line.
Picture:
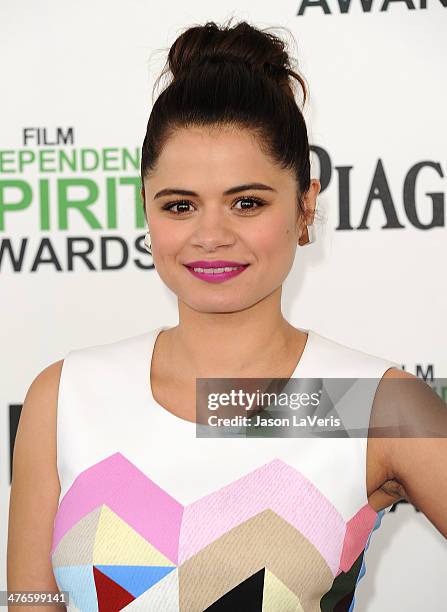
x,y
309,237
147,243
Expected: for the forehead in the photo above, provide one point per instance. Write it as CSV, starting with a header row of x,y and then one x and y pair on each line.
x,y
215,153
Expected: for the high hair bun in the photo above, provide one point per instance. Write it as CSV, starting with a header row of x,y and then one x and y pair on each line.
x,y
238,76
242,44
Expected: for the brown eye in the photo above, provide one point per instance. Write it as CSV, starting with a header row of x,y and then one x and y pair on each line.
x,y
180,203
183,205
259,203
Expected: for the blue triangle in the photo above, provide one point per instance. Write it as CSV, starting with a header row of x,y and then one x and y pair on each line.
x,y
136,578
78,580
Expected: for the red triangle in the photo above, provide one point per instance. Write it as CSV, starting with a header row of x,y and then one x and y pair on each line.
x,y
111,596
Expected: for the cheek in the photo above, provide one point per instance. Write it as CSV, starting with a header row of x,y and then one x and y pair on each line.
x,y
275,236
165,240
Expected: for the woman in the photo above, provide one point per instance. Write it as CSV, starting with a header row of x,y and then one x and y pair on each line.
x,y
147,514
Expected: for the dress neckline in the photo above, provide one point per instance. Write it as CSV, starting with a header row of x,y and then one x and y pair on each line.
x,y
192,424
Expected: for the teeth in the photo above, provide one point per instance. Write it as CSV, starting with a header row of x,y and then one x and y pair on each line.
x,y
216,270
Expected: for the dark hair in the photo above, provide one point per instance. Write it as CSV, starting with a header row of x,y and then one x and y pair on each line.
x,y
240,76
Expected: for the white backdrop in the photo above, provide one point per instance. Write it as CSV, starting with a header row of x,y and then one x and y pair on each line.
x,y
377,106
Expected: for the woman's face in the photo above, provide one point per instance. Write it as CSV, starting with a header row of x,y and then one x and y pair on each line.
x,y
256,226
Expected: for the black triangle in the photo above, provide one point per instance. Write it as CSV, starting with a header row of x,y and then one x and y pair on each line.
x,y
246,596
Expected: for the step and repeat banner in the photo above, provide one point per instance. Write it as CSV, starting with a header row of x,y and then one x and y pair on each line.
x,y
77,92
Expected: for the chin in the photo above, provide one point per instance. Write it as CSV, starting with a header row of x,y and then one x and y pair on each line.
x,y
229,306
216,306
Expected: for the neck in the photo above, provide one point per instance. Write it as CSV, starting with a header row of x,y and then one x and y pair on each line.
x,y
249,342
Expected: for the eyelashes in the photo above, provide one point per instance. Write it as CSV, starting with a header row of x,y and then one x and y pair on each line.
x,y
252,199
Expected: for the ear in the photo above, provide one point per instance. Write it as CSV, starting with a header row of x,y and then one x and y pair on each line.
x,y
310,203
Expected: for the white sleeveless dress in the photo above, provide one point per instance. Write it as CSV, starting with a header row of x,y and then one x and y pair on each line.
x,y
151,517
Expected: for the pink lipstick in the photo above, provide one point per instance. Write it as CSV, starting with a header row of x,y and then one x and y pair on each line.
x,y
215,271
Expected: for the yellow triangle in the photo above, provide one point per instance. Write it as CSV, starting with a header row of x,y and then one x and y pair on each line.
x,y
116,543
277,597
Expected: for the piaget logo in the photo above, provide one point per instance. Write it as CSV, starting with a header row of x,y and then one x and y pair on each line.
x,y
65,190
423,177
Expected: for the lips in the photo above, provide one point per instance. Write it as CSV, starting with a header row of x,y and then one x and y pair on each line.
x,y
216,271
215,263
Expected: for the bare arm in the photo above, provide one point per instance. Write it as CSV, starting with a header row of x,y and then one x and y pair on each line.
x,y
417,462
35,491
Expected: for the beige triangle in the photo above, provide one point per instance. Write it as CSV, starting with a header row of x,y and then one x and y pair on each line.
x,y
76,546
117,543
277,597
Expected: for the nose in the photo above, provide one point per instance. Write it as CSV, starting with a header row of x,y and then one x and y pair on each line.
x,y
212,229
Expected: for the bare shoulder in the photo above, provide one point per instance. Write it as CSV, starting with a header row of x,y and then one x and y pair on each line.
x,y
37,421
396,373
415,451
382,486
35,485
35,442
410,413
48,379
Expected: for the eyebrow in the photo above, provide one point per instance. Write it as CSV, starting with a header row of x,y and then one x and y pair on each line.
x,y
186,192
